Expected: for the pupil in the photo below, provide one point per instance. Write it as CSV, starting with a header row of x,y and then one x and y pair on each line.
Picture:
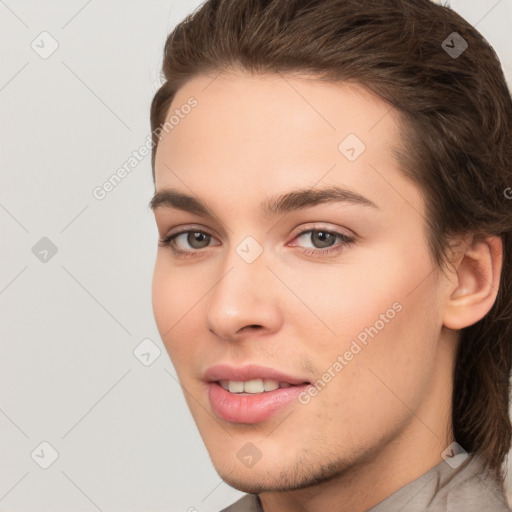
x,y
324,237
197,237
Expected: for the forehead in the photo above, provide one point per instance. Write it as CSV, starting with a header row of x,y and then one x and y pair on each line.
x,y
251,133
261,109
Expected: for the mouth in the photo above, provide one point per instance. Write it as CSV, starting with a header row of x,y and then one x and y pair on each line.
x,y
251,394
254,386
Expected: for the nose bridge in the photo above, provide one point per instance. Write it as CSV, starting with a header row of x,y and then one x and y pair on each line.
x,y
243,269
242,295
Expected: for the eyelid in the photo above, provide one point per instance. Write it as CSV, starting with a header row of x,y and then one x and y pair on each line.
x,y
346,240
304,229
324,227
187,228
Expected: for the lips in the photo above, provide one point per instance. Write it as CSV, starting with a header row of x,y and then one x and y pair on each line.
x,y
257,405
223,372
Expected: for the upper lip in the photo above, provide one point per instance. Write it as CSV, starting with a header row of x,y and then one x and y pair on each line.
x,y
248,372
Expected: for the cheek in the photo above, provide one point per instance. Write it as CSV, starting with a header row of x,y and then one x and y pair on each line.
x,y
387,324
369,298
344,303
160,293
173,299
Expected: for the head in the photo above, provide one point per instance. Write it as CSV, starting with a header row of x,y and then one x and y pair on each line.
x,y
316,95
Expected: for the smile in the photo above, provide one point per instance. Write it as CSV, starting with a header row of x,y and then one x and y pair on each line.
x,y
253,386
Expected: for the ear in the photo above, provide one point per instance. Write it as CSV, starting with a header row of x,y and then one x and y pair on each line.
x,y
474,285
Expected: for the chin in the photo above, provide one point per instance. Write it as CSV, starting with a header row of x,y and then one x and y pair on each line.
x,y
256,484
300,475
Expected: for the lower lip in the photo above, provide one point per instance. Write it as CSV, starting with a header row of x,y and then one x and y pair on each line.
x,y
251,408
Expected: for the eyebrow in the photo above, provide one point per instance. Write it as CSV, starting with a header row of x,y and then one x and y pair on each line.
x,y
272,206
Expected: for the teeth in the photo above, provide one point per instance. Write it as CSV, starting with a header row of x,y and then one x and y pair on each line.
x,y
252,386
236,386
270,385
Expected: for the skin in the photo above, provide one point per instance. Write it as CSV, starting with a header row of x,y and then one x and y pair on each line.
x,y
384,420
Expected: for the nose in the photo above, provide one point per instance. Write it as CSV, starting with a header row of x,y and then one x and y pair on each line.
x,y
244,301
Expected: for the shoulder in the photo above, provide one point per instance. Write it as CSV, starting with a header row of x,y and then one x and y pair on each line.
x,y
472,489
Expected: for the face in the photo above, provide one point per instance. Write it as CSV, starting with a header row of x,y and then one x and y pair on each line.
x,y
334,292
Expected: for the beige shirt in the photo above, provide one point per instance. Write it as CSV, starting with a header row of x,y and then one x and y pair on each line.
x,y
461,488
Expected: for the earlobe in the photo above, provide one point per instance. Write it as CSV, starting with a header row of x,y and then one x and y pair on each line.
x,y
475,282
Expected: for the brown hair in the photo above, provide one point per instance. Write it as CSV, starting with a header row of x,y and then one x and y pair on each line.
x,y
456,113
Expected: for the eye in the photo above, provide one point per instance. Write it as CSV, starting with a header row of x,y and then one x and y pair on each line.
x,y
195,239
187,242
320,241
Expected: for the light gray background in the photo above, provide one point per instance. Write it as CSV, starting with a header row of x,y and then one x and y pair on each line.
x,y
125,439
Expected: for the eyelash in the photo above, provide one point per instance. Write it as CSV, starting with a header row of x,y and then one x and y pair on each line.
x,y
346,240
